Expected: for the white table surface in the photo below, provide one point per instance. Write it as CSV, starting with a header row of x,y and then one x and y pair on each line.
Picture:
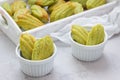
x,y
66,67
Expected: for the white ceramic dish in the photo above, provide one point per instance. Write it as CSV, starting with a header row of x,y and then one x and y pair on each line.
x,y
87,53
11,29
36,68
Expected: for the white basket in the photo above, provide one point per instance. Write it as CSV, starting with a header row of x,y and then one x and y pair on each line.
x,y
12,30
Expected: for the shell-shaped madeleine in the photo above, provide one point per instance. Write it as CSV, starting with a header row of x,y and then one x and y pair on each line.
x,y
40,13
26,45
79,34
43,48
96,35
59,2
27,22
62,11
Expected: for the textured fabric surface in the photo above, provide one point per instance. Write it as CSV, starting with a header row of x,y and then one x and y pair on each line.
x,y
109,21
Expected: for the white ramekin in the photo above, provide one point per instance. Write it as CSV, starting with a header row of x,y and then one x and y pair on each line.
x,y
87,53
36,68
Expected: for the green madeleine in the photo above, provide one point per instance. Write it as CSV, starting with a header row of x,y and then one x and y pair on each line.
x,y
39,13
26,45
43,48
96,35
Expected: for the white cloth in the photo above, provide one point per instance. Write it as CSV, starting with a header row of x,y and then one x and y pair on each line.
x,y
111,23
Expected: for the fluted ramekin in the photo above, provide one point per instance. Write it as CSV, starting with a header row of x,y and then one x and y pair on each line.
x,y
87,53
36,68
